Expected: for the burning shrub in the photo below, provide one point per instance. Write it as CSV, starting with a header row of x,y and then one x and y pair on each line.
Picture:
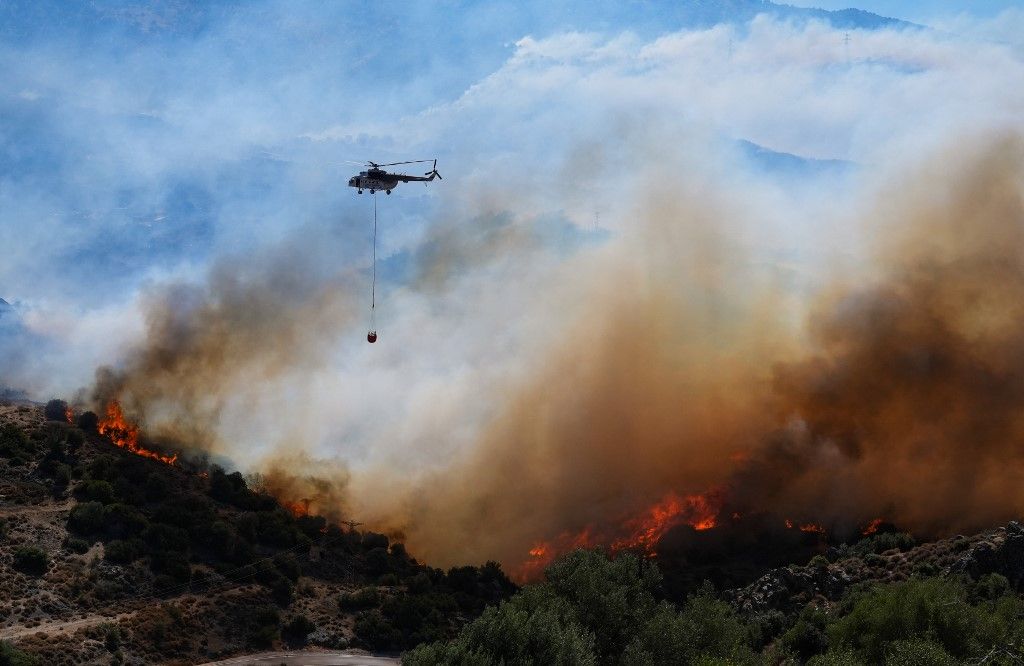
x,y
31,560
56,410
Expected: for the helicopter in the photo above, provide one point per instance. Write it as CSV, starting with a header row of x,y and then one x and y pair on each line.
x,y
376,178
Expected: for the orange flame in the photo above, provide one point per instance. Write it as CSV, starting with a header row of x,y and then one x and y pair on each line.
x,y
543,553
125,434
297,509
813,528
643,532
69,415
698,511
872,527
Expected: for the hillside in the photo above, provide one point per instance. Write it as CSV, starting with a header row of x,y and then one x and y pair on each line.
x,y
111,557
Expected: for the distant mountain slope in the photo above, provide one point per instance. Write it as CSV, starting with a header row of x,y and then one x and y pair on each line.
x,y
788,164
706,13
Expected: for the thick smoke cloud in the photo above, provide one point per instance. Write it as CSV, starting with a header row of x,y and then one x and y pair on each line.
x,y
902,397
910,404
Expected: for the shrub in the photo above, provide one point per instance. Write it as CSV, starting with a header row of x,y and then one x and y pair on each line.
x,y
263,626
122,521
157,487
838,657
806,637
62,476
296,630
76,545
111,638
88,422
936,608
376,632
75,439
12,656
3,528
122,552
363,598
373,540
917,652
30,560
95,491
377,562
15,445
533,627
879,543
706,628
56,410
160,538
420,584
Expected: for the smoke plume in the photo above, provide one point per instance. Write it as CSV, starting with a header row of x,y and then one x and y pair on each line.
x,y
902,395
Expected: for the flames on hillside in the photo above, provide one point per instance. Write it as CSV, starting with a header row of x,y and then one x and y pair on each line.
x,y
123,433
640,533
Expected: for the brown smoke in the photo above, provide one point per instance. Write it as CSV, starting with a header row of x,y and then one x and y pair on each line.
x,y
904,397
911,404
255,319
671,365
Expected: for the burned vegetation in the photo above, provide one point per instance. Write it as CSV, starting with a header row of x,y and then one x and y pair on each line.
x,y
119,554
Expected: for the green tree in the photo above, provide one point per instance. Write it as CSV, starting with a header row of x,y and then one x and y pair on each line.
x,y
706,628
533,627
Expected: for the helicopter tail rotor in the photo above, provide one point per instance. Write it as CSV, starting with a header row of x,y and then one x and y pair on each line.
x,y
433,172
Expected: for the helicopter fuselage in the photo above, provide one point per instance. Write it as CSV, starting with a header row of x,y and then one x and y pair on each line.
x,y
379,179
373,182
